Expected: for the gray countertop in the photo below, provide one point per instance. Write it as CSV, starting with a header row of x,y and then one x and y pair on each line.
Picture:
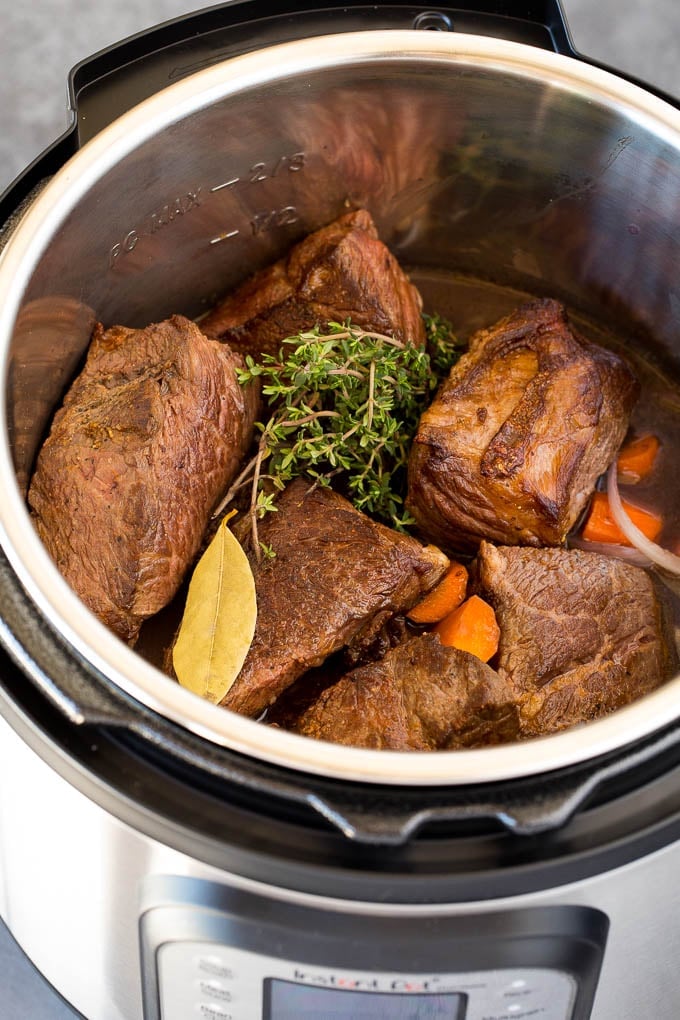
x,y
42,39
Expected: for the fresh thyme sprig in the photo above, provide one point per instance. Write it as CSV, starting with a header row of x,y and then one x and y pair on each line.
x,y
345,401
442,344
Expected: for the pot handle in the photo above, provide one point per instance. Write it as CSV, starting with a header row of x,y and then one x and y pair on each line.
x,y
526,808
112,81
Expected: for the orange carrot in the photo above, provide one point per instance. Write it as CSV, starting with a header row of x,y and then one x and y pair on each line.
x,y
636,459
472,628
444,598
600,526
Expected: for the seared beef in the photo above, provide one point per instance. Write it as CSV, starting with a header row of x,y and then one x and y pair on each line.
x,y
148,438
375,642
335,571
420,697
513,443
581,634
341,271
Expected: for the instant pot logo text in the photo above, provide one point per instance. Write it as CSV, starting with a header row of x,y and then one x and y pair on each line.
x,y
374,984
260,220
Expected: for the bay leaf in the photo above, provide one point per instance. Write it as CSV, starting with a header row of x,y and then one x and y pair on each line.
x,y
219,619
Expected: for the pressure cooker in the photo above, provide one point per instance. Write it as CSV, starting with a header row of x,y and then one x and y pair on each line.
x,y
164,859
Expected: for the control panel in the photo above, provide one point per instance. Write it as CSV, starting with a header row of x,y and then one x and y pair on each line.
x,y
216,982
211,952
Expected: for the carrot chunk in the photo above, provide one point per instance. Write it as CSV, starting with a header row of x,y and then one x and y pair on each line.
x,y
444,598
636,459
472,628
600,526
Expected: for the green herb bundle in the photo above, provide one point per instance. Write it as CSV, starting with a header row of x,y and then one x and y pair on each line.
x,y
345,402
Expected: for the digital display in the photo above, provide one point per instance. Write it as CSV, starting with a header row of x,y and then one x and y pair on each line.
x,y
289,1000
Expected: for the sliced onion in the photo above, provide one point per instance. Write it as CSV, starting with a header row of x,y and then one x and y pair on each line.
x,y
661,557
612,549
628,477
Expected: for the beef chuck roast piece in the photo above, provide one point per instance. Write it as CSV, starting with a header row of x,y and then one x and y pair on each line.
x,y
148,437
341,271
515,439
334,573
421,696
581,634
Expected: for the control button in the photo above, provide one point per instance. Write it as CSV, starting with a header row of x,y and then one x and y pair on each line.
x,y
516,1011
517,988
212,988
212,1011
213,965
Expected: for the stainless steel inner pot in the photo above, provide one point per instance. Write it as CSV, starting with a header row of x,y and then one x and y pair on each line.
x,y
475,156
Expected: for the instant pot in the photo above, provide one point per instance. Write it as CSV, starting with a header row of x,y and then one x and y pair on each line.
x,y
161,858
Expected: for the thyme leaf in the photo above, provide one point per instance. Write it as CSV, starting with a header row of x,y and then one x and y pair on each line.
x,y
344,402
443,346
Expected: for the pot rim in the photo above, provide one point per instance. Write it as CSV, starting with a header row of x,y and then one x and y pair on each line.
x,y
39,575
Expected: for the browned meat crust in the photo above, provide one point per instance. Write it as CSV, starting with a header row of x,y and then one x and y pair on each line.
x,y
341,271
512,445
581,634
148,437
420,697
336,572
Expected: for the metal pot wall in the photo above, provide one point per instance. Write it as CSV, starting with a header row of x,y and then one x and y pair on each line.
x,y
480,157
